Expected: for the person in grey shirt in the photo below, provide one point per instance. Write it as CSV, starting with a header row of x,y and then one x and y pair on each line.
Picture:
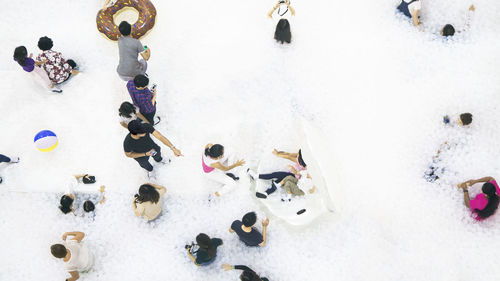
x,y
130,48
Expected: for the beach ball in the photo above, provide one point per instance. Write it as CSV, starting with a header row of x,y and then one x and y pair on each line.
x,y
45,140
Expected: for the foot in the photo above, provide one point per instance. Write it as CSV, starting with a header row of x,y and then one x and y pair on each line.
x,y
74,72
253,175
273,188
156,120
165,161
14,160
260,195
152,175
56,89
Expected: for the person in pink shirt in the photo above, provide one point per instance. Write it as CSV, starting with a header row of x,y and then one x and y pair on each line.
x,y
485,203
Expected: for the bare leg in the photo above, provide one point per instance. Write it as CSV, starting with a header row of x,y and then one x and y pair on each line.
x,y
289,156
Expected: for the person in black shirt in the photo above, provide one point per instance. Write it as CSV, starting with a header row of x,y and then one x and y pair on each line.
x,y
247,275
139,145
247,233
207,249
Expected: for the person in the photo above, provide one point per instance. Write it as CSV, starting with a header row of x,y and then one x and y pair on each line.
x,y
76,256
88,206
485,203
449,30
128,112
282,33
147,203
276,177
247,275
139,145
205,250
437,168
68,198
9,160
58,69
34,67
247,233
215,163
129,48
297,187
108,3
142,97
411,9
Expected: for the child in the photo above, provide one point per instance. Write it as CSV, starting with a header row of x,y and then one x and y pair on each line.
x,y
411,8
436,169
34,67
10,160
449,30
57,68
66,201
282,33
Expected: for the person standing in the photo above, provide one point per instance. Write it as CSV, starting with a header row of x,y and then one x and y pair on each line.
x,y
139,145
142,97
129,49
247,233
76,256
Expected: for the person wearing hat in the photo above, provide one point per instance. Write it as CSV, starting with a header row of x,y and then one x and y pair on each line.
x,y
139,145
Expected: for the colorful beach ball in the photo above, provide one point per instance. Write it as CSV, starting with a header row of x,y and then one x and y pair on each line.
x,y
45,140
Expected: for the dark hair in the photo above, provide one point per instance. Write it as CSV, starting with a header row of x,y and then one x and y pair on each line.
x,y
20,55
147,193
249,276
448,30
126,109
125,28
205,244
283,33
135,127
214,151
88,206
66,203
45,43
249,219
490,190
141,81
58,251
301,160
466,118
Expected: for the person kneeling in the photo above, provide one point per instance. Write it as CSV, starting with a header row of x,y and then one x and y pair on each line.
x,y
205,251
484,204
75,255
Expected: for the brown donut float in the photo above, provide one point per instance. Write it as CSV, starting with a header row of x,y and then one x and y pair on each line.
x,y
145,22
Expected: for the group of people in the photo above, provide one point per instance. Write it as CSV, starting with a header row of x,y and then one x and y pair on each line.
x,y
485,203
412,9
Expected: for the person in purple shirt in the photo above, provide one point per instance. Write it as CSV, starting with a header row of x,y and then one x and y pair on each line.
x,y
30,65
143,98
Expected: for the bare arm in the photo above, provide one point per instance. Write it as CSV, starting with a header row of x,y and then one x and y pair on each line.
x,y
137,155
193,259
153,100
146,54
219,166
414,16
74,276
466,198
77,235
485,179
292,10
270,14
166,142
141,117
134,205
265,223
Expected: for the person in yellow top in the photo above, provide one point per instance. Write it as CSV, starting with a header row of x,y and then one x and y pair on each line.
x,y
147,203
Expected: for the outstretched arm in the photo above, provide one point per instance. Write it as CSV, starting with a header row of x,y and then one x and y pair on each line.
x,y
286,155
270,14
77,235
292,10
219,166
166,142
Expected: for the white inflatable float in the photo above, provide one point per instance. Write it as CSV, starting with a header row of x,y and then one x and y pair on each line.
x,y
325,200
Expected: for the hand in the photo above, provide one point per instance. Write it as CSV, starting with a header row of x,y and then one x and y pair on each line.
x,y
265,222
65,235
150,153
312,189
31,55
217,194
463,185
176,152
101,189
275,152
227,267
240,163
472,8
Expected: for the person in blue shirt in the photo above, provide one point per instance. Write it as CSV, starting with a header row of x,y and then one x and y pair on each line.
x,y
205,250
247,233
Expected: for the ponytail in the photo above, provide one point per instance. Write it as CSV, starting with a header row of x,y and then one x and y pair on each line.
x,y
490,190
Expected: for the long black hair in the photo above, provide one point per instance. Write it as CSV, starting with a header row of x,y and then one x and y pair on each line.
x,y
20,55
214,151
205,244
126,109
249,276
283,33
147,193
490,190
66,202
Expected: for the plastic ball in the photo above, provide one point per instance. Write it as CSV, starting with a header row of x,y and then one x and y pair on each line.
x,y
45,140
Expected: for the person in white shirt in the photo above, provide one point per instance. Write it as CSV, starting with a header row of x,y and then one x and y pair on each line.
x,y
449,30
147,203
76,256
411,9
129,112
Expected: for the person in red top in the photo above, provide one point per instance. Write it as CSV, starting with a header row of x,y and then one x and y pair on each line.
x,y
484,204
